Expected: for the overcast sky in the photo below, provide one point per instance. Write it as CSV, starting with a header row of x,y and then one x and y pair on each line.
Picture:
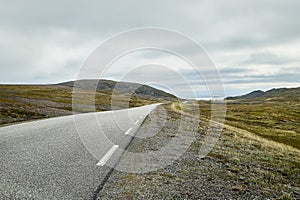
x,y
254,44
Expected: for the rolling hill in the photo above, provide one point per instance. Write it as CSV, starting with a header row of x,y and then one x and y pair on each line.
x,y
273,114
27,102
140,90
275,93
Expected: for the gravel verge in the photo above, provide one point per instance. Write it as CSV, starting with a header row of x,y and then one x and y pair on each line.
x,y
235,169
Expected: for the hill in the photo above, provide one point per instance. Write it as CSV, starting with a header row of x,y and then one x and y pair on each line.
x,y
254,94
143,91
275,93
273,114
27,102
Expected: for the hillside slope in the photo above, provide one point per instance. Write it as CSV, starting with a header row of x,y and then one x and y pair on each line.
x,y
275,94
27,102
273,114
241,165
143,91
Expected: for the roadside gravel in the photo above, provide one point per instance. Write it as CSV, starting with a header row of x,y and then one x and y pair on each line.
x,y
233,170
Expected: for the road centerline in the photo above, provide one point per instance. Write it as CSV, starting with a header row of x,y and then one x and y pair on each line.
x,y
141,117
128,131
108,155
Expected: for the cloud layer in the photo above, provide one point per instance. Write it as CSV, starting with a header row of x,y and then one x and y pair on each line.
x,y
255,44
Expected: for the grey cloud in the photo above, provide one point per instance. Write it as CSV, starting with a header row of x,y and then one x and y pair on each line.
x,y
284,77
267,58
221,26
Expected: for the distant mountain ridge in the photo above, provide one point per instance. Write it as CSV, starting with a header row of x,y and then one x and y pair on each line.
x,y
102,85
273,93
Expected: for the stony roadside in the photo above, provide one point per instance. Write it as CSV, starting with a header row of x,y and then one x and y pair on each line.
x,y
239,167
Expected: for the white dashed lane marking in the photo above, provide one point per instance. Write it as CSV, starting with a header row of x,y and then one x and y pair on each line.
x,y
128,131
111,151
108,155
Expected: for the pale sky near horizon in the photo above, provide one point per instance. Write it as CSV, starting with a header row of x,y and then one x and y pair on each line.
x,y
254,44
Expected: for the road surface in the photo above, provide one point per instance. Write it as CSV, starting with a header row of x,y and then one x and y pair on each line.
x,y
48,159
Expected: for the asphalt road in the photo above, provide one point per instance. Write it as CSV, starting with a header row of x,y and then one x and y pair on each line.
x,y
51,159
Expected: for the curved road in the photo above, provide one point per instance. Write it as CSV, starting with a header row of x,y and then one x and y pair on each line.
x,y
47,159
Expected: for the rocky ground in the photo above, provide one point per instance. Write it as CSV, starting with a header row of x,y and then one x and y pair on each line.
x,y
241,166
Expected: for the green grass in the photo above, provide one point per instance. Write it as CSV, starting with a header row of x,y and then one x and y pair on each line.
x,y
263,135
273,120
241,162
27,102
